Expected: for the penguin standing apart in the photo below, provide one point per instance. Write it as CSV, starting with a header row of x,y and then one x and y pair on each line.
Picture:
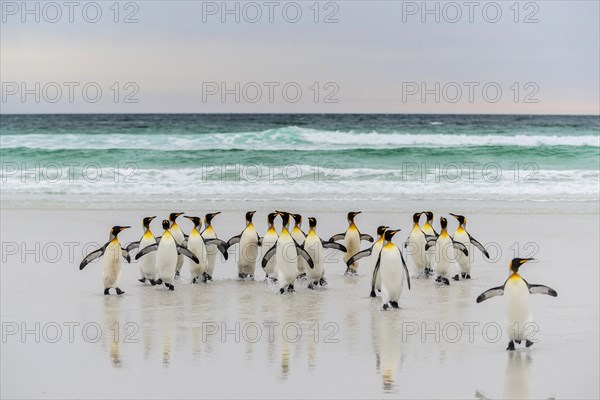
x,y
211,250
198,245
516,292
269,241
248,248
429,232
299,236
390,264
444,252
461,235
147,264
179,237
352,238
286,251
415,248
112,252
167,251
373,253
315,246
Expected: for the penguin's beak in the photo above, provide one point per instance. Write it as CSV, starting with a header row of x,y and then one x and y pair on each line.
x,y
454,215
190,218
524,260
122,228
151,218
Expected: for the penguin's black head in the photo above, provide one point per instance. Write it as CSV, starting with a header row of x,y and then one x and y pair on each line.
x,y
429,216
416,217
166,224
249,216
381,230
352,214
210,216
271,218
173,216
517,262
196,220
443,222
461,219
147,220
390,234
285,217
312,222
116,229
297,219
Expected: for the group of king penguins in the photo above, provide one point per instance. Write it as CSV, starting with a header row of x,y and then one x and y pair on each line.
x,y
293,254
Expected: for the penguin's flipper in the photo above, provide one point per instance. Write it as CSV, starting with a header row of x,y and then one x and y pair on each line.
x,y
339,236
184,243
541,289
186,236
221,245
405,269
359,255
431,242
479,246
367,237
333,245
493,292
375,272
158,239
302,253
461,247
268,255
146,250
185,252
91,257
132,246
125,255
234,240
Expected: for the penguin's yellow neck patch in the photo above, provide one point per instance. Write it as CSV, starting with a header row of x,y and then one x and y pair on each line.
x,y
389,246
115,240
209,229
444,233
148,234
380,239
427,228
272,230
352,227
194,232
311,232
460,229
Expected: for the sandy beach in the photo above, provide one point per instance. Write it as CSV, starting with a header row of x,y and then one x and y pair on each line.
x,y
332,342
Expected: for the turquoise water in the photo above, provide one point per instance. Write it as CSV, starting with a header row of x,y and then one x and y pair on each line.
x,y
283,157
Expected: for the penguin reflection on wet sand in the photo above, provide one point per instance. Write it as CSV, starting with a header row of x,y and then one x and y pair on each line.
x,y
516,291
111,253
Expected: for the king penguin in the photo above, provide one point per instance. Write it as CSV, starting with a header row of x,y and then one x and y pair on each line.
x,y
248,248
211,250
373,253
415,248
461,235
429,232
315,246
392,268
286,251
516,292
352,238
444,253
269,241
147,264
112,252
179,237
167,251
198,245
299,236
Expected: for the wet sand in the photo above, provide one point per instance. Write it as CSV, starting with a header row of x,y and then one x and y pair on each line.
x,y
241,339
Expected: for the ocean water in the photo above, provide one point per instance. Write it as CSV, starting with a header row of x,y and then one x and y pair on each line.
x,y
376,161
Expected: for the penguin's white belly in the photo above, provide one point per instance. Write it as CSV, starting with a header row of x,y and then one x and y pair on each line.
x,y
302,264
518,311
416,251
248,252
211,251
147,263
444,256
179,238
352,244
314,248
166,260
112,265
196,246
392,275
287,262
464,262
269,241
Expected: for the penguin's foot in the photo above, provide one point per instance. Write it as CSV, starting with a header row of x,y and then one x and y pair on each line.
x,y
106,291
438,279
455,277
511,346
446,281
291,289
194,280
467,276
166,284
142,280
119,291
351,272
311,286
152,282
250,277
204,278
517,341
177,273
171,287
159,281
372,294
242,275
322,282
528,343
394,304
385,306
281,290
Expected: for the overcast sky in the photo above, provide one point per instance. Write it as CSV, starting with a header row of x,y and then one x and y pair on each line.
x,y
346,56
